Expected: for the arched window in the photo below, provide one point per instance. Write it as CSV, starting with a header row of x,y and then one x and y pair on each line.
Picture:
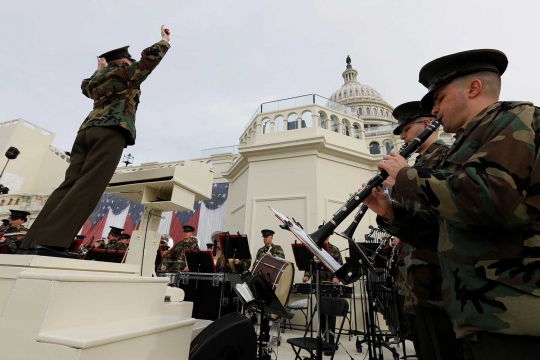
x,y
374,148
345,128
388,146
367,111
333,124
292,122
307,119
322,120
278,124
356,131
265,126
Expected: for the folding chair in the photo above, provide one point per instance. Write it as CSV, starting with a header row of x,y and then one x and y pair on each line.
x,y
330,307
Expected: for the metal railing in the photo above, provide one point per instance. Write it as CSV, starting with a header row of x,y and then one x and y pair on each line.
x,y
233,149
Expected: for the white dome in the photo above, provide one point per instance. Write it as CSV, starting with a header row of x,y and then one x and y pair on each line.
x,y
369,103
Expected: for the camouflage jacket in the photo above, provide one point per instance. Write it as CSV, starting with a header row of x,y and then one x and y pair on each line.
x,y
486,200
116,91
326,275
14,242
175,260
421,266
275,251
115,245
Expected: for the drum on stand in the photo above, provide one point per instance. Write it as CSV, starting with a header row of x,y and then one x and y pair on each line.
x,y
279,272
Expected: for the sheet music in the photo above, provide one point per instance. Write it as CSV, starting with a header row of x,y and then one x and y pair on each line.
x,y
243,290
301,235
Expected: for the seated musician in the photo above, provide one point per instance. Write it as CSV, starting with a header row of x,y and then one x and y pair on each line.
x,y
113,240
175,259
16,221
269,247
326,275
125,239
99,244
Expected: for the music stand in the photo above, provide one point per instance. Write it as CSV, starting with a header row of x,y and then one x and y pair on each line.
x,y
75,245
202,260
234,246
116,256
265,300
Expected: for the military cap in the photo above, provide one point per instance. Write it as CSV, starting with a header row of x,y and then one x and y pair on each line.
x,y
116,54
267,232
447,68
115,231
189,228
209,246
5,222
125,236
18,214
407,113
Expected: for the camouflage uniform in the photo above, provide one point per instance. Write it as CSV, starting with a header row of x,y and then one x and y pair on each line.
x,y
97,149
14,245
276,251
326,275
488,204
115,245
175,259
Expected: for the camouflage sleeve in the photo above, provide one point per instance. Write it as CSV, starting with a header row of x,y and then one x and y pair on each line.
x,y
84,86
138,71
414,226
489,184
280,253
243,265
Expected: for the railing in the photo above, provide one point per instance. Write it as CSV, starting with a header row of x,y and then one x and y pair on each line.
x,y
233,149
60,153
380,130
300,101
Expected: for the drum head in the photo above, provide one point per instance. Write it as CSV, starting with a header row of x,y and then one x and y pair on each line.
x,y
284,285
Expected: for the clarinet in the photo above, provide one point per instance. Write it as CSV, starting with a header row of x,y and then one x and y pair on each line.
x,y
357,198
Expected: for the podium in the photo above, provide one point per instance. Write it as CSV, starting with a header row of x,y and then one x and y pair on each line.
x,y
56,308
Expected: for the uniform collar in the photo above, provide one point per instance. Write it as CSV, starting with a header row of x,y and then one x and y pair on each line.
x,y
471,123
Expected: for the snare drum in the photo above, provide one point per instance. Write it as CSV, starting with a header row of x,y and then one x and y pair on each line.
x,y
279,272
173,278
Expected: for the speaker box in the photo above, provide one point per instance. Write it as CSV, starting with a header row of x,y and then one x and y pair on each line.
x,y
231,337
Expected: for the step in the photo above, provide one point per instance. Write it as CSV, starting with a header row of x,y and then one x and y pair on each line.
x,y
102,334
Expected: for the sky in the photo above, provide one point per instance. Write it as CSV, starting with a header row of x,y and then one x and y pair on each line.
x,y
227,57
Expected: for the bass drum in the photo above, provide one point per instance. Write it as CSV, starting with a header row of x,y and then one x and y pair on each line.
x,y
279,272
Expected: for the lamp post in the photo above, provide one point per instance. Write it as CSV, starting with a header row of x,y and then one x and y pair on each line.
x,y
11,154
128,159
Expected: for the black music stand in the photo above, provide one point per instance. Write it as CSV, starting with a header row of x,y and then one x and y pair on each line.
x,y
235,246
265,300
116,256
304,261
202,260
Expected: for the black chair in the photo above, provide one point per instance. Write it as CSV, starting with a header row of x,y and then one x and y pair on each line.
x,y
330,307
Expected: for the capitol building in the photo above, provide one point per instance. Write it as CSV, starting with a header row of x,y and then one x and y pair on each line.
x,y
302,156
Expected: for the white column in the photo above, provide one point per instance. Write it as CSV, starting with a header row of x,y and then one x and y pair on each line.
x,y
284,124
315,119
272,123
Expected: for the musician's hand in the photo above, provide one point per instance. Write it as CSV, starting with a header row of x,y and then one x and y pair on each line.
x,y
101,63
165,33
389,183
305,279
392,164
236,261
335,281
163,268
186,269
379,203
395,241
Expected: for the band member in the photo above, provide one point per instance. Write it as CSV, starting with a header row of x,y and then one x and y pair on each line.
x,y
269,247
233,266
485,206
175,260
113,240
110,126
431,326
16,221
125,239
325,275
99,244
5,225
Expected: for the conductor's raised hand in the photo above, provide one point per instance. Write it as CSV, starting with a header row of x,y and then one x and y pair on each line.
x,y
165,33
379,203
392,164
101,63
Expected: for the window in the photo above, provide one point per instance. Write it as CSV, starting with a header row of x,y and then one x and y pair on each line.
x,y
367,111
333,125
356,131
345,128
388,146
265,126
374,148
360,111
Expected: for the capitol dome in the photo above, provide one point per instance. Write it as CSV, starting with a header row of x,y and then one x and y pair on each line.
x,y
370,105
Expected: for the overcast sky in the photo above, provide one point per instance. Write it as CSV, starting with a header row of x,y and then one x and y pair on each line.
x,y
231,56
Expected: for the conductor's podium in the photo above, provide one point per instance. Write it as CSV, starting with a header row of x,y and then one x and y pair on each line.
x,y
56,308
